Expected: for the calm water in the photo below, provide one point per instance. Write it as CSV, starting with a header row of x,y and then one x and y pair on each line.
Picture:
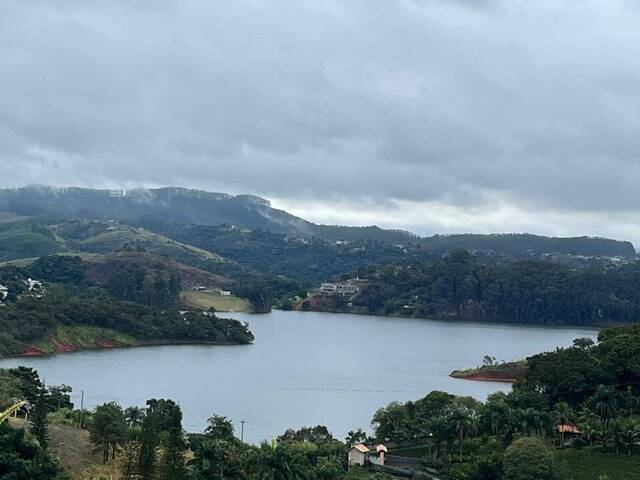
x,y
304,369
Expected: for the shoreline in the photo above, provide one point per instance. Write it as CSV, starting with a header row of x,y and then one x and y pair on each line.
x,y
33,352
596,327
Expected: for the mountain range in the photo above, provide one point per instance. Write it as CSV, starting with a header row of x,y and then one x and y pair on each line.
x,y
181,206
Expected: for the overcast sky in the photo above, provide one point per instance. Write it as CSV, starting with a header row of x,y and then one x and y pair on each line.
x,y
435,116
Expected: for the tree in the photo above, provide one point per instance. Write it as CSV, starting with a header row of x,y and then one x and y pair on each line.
x,y
274,462
605,402
528,459
461,420
130,452
215,459
134,416
173,459
39,427
23,459
355,437
148,449
562,415
629,432
107,428
219,428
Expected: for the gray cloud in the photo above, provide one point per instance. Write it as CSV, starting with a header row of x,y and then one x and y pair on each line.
x,y
534,106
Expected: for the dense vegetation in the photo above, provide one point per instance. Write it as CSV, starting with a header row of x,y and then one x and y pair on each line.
x,y
30,318
33,319
593,388
459,286
588,388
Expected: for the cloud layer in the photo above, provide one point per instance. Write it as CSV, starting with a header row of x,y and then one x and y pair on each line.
x,y
430,115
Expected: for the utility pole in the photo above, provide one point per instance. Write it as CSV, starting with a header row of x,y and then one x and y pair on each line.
x,y
81,407
242,431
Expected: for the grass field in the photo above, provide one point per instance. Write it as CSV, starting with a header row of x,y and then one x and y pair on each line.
x,y
590,462
206,300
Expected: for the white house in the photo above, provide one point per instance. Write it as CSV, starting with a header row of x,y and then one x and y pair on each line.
x,y
358,454
381,456
338,289
225,293
4,292
33,284
362,455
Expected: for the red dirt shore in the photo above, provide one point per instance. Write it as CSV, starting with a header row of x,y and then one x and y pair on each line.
x,y
64,347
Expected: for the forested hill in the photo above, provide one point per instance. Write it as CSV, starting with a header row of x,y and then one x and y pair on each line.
x,y
181,206
459,286
524,244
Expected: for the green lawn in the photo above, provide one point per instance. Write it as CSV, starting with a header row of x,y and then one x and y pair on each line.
x,y
206,300
590,462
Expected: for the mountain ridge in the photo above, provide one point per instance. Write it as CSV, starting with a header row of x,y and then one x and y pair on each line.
x,y
186,206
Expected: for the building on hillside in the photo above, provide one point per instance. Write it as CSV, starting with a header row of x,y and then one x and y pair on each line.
x,y
33,285
224,293
569,432
4,293
346,288
362,455
358,455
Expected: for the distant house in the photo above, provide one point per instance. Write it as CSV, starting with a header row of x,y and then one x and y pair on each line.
x,y
4,293
362,455
338,289
568,433
358,455
567,428
33,284
225,293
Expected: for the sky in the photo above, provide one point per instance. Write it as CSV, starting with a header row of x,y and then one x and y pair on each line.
x,y
432,116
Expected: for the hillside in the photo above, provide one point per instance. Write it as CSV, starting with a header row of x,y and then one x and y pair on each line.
x,y
100,269
28,238
521,245
186,206
61,319
460,286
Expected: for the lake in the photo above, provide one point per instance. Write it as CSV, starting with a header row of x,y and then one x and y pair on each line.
x,y
305,368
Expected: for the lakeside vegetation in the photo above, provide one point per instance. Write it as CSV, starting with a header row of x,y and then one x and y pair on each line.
x,y
460,286
70,315
591,389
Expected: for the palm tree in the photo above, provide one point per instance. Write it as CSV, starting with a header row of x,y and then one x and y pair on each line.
x,y
461,420
274,462
629,432
562,415
589,429
134,416
605,402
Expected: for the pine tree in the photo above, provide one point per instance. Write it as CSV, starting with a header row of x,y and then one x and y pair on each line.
x,y
173,461
40,428
148,449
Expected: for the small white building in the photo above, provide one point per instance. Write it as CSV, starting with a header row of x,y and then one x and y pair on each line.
x,y
225,293
338,289
362,455
358,454
4,293
33,284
